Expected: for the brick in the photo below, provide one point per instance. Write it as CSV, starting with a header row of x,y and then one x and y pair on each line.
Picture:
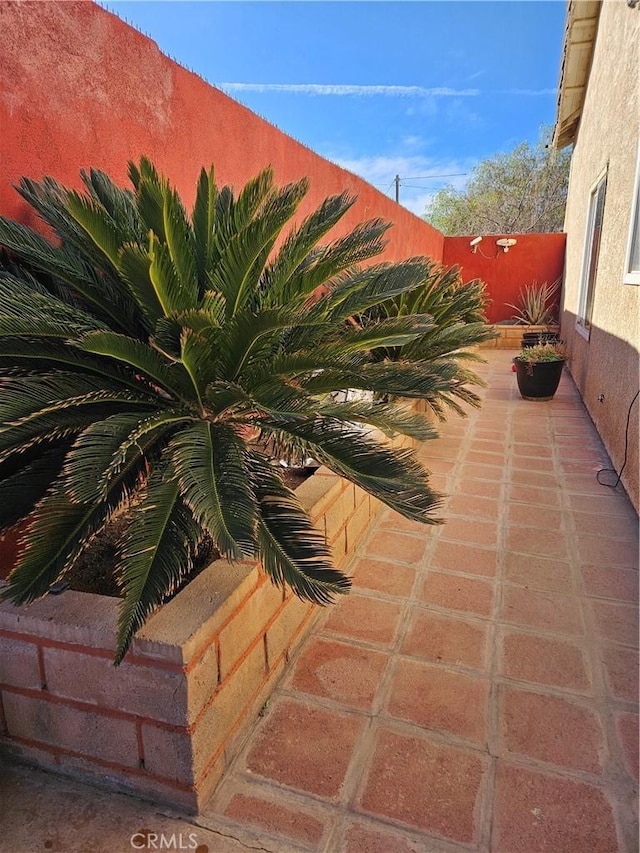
x,y
382,577
431,786
339,548
19,663
363,618
336,515
454,592
544,660
275,817
234,700
318,492
170,754
357,526
535,811
344,673
392,520
538,725
306,747
283,634
247,624
436,698
85,732
145,690
202,682
446,639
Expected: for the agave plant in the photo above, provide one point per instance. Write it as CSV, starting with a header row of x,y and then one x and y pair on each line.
x,y
535,308
457,309
148,356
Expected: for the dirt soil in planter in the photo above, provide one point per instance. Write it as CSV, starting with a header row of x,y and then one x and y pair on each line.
x,y
94,571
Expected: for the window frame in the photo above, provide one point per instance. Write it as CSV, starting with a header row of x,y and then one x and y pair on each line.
x,y
633,276
586,292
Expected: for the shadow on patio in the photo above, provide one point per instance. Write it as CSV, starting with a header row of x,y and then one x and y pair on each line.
x,y
477,691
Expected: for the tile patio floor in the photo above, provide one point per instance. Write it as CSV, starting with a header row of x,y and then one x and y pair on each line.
x,y
478,690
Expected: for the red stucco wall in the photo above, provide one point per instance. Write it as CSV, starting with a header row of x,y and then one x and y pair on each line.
x,y
538,257
80,88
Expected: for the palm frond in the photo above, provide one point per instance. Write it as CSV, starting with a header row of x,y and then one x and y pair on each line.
x,y
210,465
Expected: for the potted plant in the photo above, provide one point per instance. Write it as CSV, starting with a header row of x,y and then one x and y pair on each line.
x,y
538,370
536,309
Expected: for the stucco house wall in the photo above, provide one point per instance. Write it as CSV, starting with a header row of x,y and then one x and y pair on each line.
x,y
606,364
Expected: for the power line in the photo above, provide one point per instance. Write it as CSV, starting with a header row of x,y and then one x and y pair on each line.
x,y
430,177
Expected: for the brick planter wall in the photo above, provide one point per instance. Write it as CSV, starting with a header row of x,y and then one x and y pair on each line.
x,y
166,723
510,337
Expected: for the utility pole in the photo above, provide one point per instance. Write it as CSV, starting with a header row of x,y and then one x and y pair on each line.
x,y
397,183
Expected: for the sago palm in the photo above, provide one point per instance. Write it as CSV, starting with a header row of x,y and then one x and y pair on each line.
x,y
148,357
457,309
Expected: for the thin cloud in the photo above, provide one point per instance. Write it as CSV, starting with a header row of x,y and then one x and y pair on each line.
x,y
527,92
345,89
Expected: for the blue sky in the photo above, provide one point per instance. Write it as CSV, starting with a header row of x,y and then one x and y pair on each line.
x,y
419,89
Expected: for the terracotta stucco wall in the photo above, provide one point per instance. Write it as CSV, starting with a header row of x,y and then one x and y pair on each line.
x,y
80,88
607,363
535,257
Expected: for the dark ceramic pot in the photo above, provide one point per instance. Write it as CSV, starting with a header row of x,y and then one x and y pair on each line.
x,y
539,380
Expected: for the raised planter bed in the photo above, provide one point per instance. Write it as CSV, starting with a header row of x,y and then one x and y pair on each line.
x,y
510,337
167,722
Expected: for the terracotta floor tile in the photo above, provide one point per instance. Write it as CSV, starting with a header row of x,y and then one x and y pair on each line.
x,y
540,451
617,527
544,660
584,484
534,540
616,622
538,465
458,593
487,434
534,495
480,488
522,477
493,473
428,785
537,572
537,812
627,726
345,673
621,672
467,559
485,457
531,515
397,546
360,838
473,506
551,729
610,552
394,521
605,581
364,618
436,698
275,817
306,747
389,578
485,445
605,504
483,533
537,609
446,639
438,466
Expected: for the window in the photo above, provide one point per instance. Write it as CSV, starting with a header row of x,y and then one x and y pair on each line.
x,y
632,264
591,252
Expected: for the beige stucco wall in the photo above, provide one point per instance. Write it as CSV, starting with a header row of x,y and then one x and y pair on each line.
x,y
609,133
